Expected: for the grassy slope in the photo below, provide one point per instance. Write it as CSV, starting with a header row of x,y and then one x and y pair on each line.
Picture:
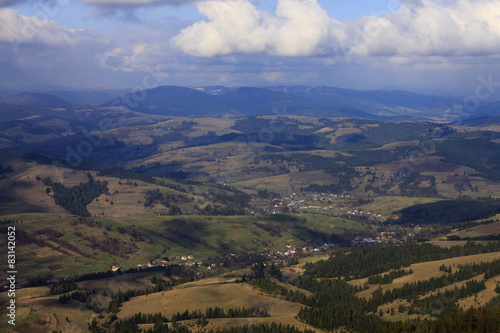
x,y
238,233
427,270
41,312
227,295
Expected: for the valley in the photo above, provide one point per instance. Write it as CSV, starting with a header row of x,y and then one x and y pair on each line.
x,y
148,220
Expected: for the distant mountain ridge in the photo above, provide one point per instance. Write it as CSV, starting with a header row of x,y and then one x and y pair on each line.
x,y
322,101
221,101
92,97
41,100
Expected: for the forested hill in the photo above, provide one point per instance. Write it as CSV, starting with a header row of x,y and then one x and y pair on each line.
x,y
297,100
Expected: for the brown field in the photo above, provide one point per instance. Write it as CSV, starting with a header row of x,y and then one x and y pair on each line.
x,y
487,229
426,164
343,131
296,270
480,299
207,282
425,271
30,193
31,197
286,182
483,296
392,145
36,312
446,243
480,230
324,130
386,206
121,282
219,125
492,128
226,295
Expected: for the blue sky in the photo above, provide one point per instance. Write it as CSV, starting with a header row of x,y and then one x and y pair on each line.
x,y
430,46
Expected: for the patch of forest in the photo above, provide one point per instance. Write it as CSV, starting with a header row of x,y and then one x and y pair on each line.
x,y
307,162
360,263
449,212
478,153
76,198
334,304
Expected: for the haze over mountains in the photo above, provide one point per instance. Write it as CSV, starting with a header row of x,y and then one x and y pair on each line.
x,y
219,101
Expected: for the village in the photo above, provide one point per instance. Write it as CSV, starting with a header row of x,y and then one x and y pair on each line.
x,y
284,257
321,203
279,258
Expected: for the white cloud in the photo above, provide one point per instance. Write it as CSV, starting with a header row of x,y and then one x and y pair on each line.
x,y
131,3
303,28
135,59
298,28
239,43
41,52
16,29
426,28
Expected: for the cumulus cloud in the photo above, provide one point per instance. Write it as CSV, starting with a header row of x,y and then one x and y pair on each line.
x,y
39,51
426,28
303,28
298,28
16,29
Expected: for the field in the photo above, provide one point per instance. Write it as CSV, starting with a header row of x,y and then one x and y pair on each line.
x,y
428,270
221,294
391,206
217,200
485,228
163,236
287,183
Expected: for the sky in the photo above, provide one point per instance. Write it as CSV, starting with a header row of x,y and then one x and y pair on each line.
x,y
447,47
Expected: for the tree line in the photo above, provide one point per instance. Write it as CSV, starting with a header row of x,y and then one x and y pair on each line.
x,y
389,277
365,262
443,302
218,312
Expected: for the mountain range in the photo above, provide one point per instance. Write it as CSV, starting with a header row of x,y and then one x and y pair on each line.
x,y
220,101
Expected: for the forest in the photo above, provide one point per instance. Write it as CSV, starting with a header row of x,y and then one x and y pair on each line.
x,y
76,198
